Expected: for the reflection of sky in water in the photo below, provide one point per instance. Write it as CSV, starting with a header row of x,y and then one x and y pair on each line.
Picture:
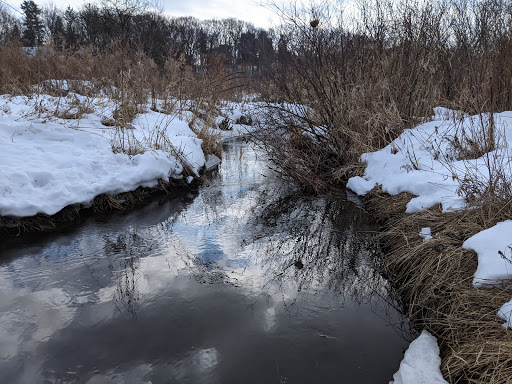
x,y
198,366
197,290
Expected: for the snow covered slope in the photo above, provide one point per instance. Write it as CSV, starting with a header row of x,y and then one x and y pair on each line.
x,y
47,162
426,161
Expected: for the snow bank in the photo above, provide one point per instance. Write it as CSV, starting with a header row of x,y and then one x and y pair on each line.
x,y
406,165
56,151
421,363
47,167
423,161
47,162
493,247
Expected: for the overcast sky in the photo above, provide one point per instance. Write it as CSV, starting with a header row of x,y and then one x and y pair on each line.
x,y
247,10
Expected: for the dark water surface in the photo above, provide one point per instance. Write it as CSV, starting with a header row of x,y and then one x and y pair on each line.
x,y
245,282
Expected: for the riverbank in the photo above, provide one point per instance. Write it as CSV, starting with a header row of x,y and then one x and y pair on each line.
x,y
448,251
434,278
68,154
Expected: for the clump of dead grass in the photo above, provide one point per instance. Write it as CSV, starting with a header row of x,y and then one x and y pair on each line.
x,y
203,123
123,116
73,109
212,143
434,278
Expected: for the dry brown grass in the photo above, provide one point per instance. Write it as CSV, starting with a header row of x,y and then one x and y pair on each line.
x,y
434,278
73,110
123,115
15,73
212,143
203,123
128,79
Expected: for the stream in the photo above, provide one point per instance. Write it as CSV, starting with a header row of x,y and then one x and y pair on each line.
x,y
244,281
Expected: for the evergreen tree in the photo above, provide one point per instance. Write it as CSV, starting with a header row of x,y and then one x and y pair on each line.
x,y
58,33
71,27
33,30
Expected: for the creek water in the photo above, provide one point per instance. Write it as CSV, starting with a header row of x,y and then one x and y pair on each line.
x,y
244,281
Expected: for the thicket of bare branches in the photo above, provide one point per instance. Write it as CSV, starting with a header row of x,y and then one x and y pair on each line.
x,y
361,75
142,28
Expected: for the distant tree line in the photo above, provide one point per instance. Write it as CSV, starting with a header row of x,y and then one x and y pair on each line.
x,y
239,44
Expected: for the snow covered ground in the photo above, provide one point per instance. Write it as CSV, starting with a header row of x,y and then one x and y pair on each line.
x,y
432,159
440,162
57,151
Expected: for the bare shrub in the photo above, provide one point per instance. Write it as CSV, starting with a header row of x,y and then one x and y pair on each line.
x,y
15,71
369,80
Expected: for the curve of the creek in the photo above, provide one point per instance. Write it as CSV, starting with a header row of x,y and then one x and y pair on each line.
x,y
244,281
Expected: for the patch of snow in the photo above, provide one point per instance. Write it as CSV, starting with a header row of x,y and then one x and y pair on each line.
x,y
360,186
426,234
493,247
505,313
30,51
423,161
421,363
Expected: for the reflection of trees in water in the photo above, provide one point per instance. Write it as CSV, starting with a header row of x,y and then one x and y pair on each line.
x,y
123,255
123,252
208,272
305,245
319,245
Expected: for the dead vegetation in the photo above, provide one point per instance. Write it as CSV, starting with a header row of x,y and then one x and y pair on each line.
x,y
350,85
126,77
434,278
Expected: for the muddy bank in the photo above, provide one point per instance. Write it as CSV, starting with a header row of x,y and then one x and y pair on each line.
x,y
434,279
101,207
